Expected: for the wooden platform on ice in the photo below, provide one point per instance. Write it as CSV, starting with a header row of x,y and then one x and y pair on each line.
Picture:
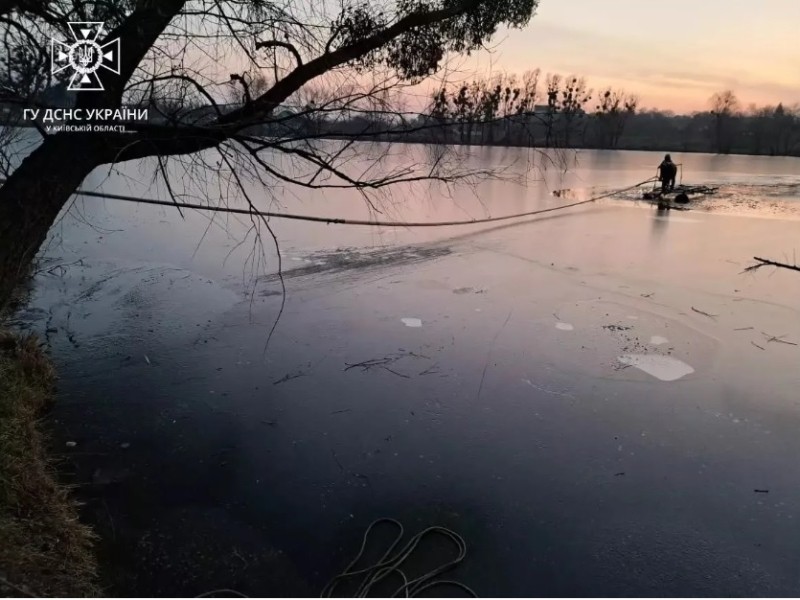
x,y
687,190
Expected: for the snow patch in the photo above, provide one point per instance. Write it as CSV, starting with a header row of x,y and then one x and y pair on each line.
x,y
412,322
664,368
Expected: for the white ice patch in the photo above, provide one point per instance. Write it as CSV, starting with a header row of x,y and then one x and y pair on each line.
x,y
665,368
411,322
658,340
564,327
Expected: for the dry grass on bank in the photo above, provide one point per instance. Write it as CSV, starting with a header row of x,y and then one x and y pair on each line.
x,y
44,549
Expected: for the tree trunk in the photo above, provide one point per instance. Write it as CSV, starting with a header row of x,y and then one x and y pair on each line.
x,y
31,200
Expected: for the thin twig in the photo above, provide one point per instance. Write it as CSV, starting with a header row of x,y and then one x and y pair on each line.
x,y
396,373
430,370
288,377
367,364
489,354
780,341
777,339
763,262
705,314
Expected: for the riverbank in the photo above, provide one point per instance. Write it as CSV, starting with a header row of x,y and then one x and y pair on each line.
x,y
45,550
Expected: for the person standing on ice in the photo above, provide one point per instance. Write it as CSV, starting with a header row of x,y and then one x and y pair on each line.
x,y
667,172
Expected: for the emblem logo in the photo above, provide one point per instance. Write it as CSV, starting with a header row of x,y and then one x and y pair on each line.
x,y
85,56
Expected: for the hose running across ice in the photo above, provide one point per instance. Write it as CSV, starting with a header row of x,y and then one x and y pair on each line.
x,y
338,221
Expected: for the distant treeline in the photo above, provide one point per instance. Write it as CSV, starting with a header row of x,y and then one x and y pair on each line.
x,y
507,110
561,111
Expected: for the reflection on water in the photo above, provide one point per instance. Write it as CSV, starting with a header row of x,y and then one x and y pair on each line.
x,y
660,220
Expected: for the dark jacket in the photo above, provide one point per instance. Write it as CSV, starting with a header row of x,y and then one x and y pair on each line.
x,y
668,169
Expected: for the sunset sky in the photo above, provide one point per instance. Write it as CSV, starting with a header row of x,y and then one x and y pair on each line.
x,y
673,54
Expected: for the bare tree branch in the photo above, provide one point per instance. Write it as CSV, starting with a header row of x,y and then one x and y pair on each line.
x,y
278,44
287,86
